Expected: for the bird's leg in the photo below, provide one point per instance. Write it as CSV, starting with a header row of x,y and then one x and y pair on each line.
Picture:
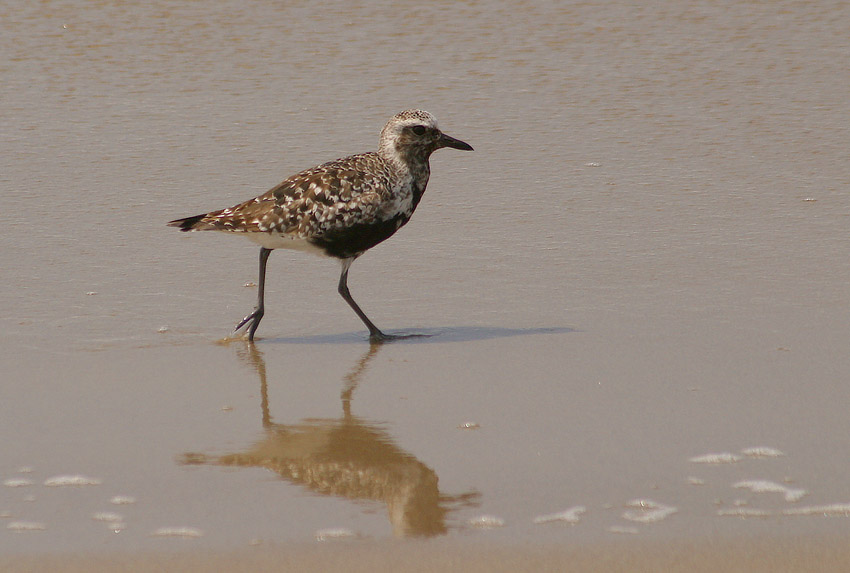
x,y
255,317
375,335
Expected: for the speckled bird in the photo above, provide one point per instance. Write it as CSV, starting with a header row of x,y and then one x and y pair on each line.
x,y
339,209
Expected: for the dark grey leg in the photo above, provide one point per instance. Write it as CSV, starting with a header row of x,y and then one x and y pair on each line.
x,y
255,317
375,335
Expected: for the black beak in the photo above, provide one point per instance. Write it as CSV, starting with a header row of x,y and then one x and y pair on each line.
x,y
446,141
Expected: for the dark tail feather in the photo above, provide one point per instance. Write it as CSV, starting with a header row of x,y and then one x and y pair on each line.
x,y
187,224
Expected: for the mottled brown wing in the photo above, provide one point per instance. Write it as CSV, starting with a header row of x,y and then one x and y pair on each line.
x,y
329,197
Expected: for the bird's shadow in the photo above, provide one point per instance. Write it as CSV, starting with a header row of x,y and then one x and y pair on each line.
x,y
422,335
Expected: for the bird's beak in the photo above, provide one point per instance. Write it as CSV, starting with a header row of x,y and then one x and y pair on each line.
x,y
446,141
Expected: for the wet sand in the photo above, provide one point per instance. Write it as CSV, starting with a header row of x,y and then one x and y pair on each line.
x,y
472,557
634,293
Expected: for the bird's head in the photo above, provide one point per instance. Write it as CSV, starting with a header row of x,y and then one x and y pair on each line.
x,y
414,134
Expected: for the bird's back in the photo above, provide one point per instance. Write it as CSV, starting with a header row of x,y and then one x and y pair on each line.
x,y
359,200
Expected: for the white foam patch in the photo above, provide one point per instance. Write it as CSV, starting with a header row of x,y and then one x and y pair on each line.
x,y
71,480
487,521
721,458
766,486
334,533
17,482
744,512
571,515
648,511
26,526
762,452
829,510
107,516
122,500
185,532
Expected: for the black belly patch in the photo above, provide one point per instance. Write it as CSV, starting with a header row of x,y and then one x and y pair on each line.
x,y
357,239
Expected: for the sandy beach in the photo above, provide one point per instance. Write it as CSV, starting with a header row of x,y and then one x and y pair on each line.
x,y
378,557
632,296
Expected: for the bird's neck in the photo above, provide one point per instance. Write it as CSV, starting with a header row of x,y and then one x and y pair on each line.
x,y
411,162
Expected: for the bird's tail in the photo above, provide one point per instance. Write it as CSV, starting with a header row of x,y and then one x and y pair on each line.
x,y
191,223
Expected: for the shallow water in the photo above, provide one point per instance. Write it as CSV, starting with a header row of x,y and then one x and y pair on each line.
x,y
644,262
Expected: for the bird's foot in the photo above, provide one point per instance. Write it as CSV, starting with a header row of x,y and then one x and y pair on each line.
x,y
252,321
378,337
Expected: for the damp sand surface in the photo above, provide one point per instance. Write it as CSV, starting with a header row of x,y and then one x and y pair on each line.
x,y
473,557
632,298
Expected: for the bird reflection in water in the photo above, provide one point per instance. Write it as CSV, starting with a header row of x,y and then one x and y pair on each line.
x,y
347,457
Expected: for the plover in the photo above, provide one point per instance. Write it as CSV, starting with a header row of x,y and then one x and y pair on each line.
x,y
339,209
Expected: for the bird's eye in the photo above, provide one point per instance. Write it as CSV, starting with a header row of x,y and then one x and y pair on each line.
x,y
419,129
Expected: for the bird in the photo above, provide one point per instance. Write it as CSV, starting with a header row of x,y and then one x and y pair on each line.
x,y
339,209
